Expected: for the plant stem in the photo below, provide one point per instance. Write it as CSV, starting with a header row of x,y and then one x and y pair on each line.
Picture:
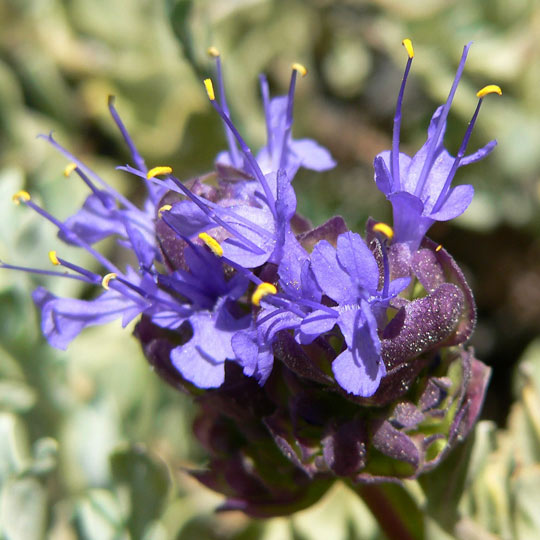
x,y
396,513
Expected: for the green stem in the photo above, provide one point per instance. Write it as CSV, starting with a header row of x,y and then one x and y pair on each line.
x,y
396,513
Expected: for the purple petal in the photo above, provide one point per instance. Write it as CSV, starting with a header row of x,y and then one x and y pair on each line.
x,y
312,155
256,360
188,219
332,279
315,324
456,203
359,262
479,154
360,379
62,319
409,224
94,221
359,369
201,360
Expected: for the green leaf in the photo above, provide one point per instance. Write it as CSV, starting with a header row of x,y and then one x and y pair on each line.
x,y
443,487
14,452
147,481
396,511
179,16
16,396
100,516
527,503
23,509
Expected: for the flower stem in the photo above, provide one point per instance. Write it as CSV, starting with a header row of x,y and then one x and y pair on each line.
x,y
394,509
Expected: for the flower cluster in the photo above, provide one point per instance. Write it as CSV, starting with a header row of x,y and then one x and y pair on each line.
x,y
311,349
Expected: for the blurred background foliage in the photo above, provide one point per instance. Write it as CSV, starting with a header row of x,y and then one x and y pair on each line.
x,y
92,444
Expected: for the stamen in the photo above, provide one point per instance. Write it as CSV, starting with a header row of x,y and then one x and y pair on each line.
x,y
206,207
489,89
233,149
58,261
386,270
440,124
261,291
20,196
70,167
164,208
296,68
71,235
53,258
212,243
407,43
300,68
82,167
394,154
209,89
265,94
384,229
44,272
438,248
137,158
256,170
158,171
106,279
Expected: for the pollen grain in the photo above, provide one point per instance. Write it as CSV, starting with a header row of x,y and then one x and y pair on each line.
x,y
156,171
212,243
106,279
489,89
261,291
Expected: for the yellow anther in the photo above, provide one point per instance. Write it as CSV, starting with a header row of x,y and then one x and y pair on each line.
x,y
209,89
106,279
300,68
156,171
213,51
384,229
70,167
261,291
407,43
20,196
164,208
489,89
53,258
438,248
212,243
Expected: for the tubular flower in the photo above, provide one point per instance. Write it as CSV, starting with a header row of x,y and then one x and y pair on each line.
x,y
311,351
419,188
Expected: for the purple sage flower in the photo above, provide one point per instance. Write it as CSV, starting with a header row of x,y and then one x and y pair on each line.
x,y
419,188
